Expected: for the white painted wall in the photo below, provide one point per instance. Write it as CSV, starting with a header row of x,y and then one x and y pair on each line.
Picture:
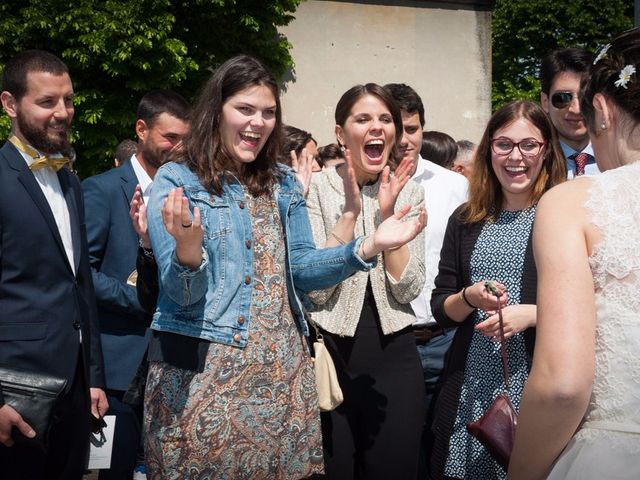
x,y
443,52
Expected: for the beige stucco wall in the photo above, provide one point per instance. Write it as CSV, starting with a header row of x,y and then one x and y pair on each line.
x,y
443,53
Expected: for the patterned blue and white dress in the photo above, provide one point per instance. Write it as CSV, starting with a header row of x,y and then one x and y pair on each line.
x,y
499,255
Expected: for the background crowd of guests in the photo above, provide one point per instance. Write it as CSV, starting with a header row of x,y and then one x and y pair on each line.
x,y
177,290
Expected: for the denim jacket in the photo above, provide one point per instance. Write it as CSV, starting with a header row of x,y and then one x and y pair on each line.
x,y
213,301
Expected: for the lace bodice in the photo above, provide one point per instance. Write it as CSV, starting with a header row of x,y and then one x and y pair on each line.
x,y
614,205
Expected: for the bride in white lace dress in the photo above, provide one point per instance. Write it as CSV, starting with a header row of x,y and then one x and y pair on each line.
x,y
580,412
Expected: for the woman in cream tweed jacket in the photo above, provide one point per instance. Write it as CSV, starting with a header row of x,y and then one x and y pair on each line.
x,y
366,320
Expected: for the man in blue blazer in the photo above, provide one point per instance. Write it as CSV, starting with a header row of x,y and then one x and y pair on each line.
x,y
48,318
113,245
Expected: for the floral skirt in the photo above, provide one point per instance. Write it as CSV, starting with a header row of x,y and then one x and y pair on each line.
x,y
237,419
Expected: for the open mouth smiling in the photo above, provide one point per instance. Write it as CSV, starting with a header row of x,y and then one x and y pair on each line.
x,y
374,149
251,138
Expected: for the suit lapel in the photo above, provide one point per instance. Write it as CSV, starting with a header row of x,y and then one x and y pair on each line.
x,y
30,184
129,182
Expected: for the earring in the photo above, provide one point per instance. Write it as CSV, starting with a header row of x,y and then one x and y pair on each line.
x,y
343,149
603,125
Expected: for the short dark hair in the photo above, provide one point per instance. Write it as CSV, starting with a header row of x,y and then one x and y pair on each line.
x,y
576,60
295,139
439,148
14,76
466,144
157,102
332,151
407,99
125,149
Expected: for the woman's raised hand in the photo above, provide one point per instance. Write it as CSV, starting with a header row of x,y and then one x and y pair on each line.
x,y
394,232
187,232
303,167
352,201
391,186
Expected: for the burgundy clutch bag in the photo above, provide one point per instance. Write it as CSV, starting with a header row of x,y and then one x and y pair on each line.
x,y
496,428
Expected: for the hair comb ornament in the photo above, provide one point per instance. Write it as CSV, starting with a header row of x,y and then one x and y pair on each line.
x,y
625,76
602,53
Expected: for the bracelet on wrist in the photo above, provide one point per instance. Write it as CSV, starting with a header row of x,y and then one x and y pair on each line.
x,y
340,241
147,252
464,298
362,246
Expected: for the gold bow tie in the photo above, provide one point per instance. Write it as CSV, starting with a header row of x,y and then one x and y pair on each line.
x,y
41,161
54,163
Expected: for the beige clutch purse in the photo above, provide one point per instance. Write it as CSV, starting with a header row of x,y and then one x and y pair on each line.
x,y
329,391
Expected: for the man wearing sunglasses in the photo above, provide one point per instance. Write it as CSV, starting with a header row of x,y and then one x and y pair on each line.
x,y
560,75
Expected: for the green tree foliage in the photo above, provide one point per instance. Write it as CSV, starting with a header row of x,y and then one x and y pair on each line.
x,y
524,31
117,50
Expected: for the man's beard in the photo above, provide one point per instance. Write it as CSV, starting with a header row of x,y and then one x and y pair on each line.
x,y
153,156
41,140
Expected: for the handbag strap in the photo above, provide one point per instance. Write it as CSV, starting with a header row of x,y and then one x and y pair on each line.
x,y
319,337
503,344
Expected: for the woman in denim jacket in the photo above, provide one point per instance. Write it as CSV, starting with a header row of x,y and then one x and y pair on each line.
x,y
231,390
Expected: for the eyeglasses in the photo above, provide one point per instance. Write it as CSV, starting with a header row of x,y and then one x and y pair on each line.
x,y
562,100
529,147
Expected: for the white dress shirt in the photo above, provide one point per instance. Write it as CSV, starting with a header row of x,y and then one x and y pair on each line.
x,y
143,177
444,191
50,186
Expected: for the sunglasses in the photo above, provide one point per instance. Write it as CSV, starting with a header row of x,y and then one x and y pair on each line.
x,y
562,100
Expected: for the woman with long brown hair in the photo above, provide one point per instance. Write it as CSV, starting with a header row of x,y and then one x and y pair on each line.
x,y
489,238
231,390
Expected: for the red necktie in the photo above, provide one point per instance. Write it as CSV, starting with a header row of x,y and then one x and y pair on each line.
x,y
581,160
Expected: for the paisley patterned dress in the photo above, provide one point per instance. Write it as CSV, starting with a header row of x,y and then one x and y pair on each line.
x,y
253,412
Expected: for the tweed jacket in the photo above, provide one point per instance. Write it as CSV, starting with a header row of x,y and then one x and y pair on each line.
x,y
339,307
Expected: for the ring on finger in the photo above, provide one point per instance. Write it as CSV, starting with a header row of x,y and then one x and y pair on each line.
x,y
187,225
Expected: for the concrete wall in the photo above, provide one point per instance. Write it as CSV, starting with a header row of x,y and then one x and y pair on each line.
x,y
442,50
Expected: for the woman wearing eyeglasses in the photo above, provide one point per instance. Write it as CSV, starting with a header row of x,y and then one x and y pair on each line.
x,y
489,238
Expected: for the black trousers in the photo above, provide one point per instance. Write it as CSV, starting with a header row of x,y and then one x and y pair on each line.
x,y
68,451
375,433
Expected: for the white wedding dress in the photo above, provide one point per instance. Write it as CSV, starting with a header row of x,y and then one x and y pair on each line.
x,y
607,445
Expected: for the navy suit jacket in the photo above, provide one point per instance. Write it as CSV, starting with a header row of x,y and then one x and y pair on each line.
x,y
113,246
43,304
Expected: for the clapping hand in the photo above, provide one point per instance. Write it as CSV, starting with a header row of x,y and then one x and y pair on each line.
x,y
303,167
391,186
394,232
188,233
138,214
352,201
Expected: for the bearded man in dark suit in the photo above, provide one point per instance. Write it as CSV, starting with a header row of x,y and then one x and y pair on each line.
x,y
48,317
